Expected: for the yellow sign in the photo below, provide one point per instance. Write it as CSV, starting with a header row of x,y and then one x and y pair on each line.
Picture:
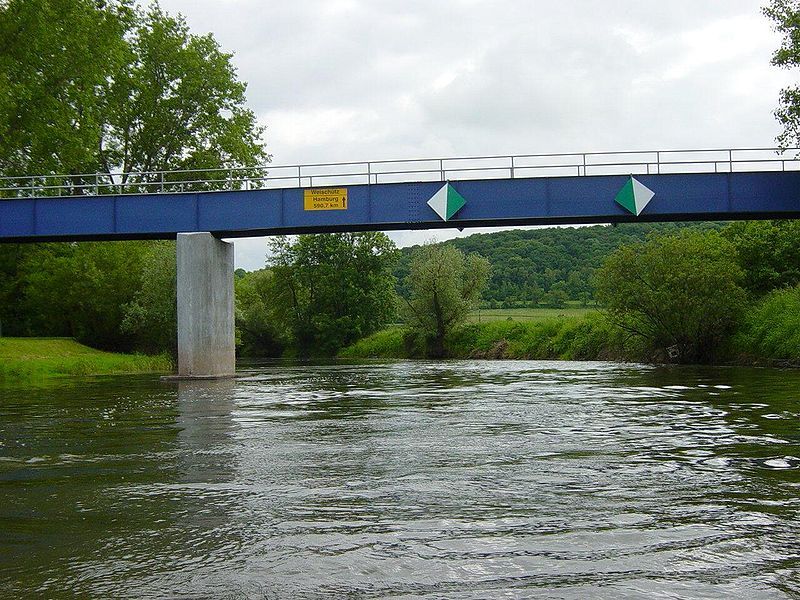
x,y
325,199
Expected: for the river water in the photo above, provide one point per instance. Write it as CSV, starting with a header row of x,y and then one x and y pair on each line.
x,y
405,480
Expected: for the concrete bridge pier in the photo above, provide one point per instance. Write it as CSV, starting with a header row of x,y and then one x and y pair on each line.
x,y
206,337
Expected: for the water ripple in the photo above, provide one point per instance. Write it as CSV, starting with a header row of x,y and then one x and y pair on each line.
x,y
462,479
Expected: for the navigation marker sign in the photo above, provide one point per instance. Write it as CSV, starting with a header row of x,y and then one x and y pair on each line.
x,y
634,196
446,202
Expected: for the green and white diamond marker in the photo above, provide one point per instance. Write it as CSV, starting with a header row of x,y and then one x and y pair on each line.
x,y
446,202
634,196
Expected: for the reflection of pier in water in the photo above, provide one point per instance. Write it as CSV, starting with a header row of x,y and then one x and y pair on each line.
x,y
205,419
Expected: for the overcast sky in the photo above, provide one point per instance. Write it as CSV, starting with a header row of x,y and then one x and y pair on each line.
x,y
352,80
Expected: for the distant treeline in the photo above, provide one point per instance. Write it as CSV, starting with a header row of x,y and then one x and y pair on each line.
x,y
549,266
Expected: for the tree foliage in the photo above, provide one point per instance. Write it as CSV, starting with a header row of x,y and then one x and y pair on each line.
x,y
151,313
56,60
95,87
768,252
111,295
90,87
79,290
785,16
331,289
679,295
444,286
260,331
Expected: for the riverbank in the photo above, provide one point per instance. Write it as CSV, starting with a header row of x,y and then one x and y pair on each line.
x,y
26,359
568,338
768,335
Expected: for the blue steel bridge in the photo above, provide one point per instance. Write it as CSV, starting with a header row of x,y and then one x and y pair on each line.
x,y
534,189
199,207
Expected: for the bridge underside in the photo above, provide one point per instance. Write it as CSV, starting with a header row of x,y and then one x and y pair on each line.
x,y
393,206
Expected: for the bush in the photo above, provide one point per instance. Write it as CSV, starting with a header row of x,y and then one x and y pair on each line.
x,y
772,329
388,343
680,295
588,338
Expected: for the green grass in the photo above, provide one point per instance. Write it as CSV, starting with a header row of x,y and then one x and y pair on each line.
x,y
587,337
27,359
528,314
387,343
769,334
771,329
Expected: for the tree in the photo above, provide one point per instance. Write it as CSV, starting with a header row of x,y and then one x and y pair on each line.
x,y
13,318
112,295
176,104
785,15
97,87
332,289
445,285
260,331
56,60
768,252
151,314
679,295
80,290
94,87
557,297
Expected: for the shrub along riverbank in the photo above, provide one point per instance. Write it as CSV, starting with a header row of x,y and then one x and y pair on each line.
x,y
25,359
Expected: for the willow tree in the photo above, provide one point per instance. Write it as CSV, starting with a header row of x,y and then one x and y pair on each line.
x,y
444,286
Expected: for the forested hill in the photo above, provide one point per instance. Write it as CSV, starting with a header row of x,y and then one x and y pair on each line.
x,y
548,266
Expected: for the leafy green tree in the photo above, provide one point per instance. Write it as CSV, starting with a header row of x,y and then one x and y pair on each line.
x,y
13,318
151,314
80,290
332,289
56,61
176,104
112,295
557,297
97,87
785,15
768,252
445,286
260,331
678,295
90,87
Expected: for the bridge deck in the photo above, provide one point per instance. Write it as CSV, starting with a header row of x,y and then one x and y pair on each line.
x,y
498,192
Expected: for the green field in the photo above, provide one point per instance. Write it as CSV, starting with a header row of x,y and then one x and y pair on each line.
x,y
527,314
31,359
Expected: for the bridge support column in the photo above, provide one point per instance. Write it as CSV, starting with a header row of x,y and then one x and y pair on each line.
x,y
206,338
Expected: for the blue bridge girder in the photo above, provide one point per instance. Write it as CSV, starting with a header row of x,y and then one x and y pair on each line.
x,y
494,202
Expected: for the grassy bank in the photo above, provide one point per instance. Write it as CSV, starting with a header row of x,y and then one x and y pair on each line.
x,y
567,338
770,331
38,358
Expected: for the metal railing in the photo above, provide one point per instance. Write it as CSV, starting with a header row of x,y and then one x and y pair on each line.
x,y
583,164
